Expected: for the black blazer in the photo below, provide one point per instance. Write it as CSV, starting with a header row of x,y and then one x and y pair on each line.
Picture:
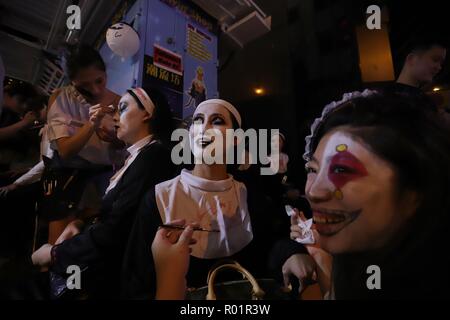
x,y
99,249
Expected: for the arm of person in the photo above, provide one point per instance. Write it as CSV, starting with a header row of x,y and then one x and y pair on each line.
x,y
33,175
323,261
171,257
14,129
71,146
111,234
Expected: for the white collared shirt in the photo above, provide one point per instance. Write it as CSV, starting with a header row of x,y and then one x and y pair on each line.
x,y
66,116
133,151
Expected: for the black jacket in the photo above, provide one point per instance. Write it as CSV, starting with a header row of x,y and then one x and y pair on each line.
x,y
99,249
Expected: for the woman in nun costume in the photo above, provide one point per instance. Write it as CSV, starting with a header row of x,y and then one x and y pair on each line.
x,y
98,247
209,197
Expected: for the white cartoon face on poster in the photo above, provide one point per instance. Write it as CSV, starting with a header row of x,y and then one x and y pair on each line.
x,y
123,40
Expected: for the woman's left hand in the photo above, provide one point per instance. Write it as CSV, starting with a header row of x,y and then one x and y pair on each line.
x,y
171,251
6,189
42,257
323,260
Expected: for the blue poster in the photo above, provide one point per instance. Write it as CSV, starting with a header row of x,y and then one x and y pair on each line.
x,y
200,68
180,44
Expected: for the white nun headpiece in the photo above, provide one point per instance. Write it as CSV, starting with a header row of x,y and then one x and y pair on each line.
x,y
225,104
141,96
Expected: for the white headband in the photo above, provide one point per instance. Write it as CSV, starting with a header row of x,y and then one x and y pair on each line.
x,y
225,104
144,99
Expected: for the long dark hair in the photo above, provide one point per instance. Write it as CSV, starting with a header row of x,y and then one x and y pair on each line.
x,y
417,144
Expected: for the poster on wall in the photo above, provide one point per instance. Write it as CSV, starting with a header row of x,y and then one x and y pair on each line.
x,y
200,68
167,60
181,54
169,82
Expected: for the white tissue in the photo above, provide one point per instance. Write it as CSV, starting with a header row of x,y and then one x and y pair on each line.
x,y
307,236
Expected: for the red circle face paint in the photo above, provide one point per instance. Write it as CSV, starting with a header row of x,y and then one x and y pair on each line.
x,y
344,167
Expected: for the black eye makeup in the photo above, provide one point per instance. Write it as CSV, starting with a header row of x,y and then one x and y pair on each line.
x,y
217,120
341,169
198,119
122,107
309,169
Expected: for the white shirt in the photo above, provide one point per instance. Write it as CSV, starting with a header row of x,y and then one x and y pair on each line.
x,y
35,173
133,151
214,205
66,116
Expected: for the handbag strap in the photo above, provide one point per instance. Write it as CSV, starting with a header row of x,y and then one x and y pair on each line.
x,y
257,292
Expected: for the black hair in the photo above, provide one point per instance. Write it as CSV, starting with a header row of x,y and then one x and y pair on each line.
x,y
421,43
21,91
80,57
416,143
234,121
36,103
161,123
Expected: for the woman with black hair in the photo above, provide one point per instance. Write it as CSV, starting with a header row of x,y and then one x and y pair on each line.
x,y
378,184
14,116
85,149
143,120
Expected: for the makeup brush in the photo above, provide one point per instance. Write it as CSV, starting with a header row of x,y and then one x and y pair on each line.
x,y
171,226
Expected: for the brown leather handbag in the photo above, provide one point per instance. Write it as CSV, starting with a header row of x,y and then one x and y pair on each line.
x,y
247,289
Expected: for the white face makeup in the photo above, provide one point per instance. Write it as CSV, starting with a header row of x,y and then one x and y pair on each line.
x,y
208,133
352,194
131,120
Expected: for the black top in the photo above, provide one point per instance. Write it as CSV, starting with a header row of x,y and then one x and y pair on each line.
x,y
99,249
411,92
139,280
20,144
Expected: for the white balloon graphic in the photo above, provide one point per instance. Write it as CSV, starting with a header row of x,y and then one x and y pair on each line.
x,y
123,40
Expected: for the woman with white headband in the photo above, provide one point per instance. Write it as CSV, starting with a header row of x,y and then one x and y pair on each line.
x,y
143,120
207,196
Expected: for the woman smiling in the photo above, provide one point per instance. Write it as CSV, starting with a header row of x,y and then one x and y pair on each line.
x,y
379,192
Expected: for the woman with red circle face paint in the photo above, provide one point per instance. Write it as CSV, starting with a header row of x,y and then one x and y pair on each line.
x,y
378,184
378,175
